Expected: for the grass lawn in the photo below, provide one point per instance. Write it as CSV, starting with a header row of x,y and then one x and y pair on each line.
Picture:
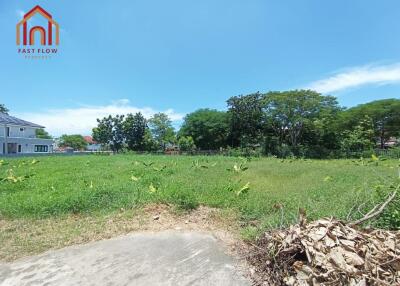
x,y
261,192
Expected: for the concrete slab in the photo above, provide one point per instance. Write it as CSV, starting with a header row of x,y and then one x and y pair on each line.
x,y
165,258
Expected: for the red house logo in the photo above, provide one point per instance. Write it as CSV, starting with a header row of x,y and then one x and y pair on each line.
x,y
45,35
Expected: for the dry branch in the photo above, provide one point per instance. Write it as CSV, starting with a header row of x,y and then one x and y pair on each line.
x,y
378,209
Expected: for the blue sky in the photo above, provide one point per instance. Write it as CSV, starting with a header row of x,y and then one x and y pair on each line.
x,y
177,56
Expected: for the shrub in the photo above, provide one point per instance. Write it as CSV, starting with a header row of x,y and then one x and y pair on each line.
x,y
186,143
390,217
244,152
185,201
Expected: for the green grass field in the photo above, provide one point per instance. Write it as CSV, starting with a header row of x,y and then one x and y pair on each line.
x,y
266,190
51,202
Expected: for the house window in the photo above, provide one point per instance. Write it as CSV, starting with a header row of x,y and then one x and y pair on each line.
x,y
21,129
8,131
41,148
19,148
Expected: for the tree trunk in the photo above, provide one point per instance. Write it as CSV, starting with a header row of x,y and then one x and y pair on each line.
x,y
382,138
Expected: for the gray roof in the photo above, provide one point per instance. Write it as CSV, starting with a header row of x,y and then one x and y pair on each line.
x,y
7,119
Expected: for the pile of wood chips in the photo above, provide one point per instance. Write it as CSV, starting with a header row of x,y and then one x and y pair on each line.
x,y
327,252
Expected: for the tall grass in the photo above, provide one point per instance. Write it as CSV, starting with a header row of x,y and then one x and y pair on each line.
x,y
267,190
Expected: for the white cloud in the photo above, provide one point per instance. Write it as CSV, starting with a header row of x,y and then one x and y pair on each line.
x,y
82,119
358,76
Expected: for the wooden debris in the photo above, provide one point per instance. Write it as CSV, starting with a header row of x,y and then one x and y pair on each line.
x,y
327,252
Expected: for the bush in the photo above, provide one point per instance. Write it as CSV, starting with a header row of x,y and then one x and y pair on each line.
x,y
244,152
284,151
186,143
390,217
185,201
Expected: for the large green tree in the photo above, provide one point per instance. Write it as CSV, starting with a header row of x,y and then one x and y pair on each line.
x,y
291,113
209,128
43,134
110,132
102,133
359,139
77,142
3,109
186,143
384,114
161,128
150,144
246,119
118,133
134,131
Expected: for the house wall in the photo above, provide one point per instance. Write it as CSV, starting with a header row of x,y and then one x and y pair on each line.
x,y
93,147
27,144
23,139
15,131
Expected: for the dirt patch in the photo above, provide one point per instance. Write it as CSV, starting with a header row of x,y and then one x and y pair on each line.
x,y
22,237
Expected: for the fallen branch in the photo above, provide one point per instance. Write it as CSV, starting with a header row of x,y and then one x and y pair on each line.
x,y
377,210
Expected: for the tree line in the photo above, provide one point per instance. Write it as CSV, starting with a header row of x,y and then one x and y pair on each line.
x,y
281,123
134,132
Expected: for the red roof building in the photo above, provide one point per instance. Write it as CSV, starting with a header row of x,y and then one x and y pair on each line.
x,y
89,140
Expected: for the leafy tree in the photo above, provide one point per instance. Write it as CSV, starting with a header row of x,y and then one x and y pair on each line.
x,y
149,144
134,131
291,113
103,133
43,134
360,139
77,142
186,143
385,116
246,119
118,133
209,128
3,109
109,131
161,129
321,136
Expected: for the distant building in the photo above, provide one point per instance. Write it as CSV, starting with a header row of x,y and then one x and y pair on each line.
x,y
18,136
92,145
60,149
391,142
172,149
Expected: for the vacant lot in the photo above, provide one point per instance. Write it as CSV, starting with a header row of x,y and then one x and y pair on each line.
x,y
42,197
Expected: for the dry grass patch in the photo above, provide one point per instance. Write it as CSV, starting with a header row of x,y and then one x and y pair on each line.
x,y
24,237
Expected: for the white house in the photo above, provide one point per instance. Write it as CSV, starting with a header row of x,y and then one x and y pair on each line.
x,y
19,136
91,144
